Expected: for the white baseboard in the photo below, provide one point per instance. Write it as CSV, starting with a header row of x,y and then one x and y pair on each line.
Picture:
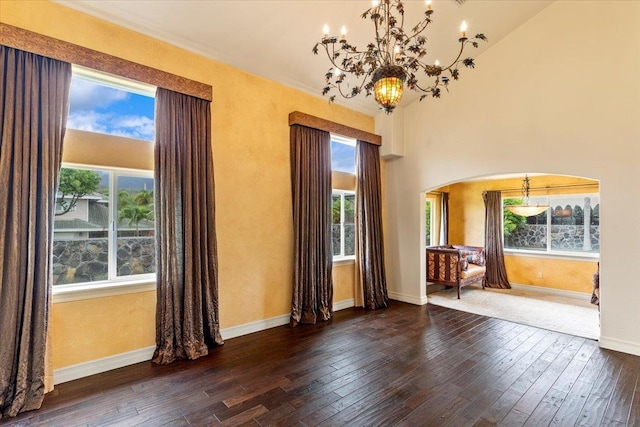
x,y
85,369
407,298
620,345
545,290
257,326
261,325
81,370
341,305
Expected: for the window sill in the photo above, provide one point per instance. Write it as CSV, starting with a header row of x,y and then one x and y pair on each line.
x,y
67,293
344,260
590,257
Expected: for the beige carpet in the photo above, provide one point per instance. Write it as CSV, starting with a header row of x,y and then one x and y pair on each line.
x,y
566,314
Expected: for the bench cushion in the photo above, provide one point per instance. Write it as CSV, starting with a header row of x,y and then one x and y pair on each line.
x,y
473,270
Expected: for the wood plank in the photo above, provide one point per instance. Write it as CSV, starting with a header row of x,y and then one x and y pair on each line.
x,y
573,404
299,118
405,365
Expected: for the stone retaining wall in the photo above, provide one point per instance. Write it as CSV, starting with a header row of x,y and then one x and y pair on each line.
x,y
77,261
563,237
349,238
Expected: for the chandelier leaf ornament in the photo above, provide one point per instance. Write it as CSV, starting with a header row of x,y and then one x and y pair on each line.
x,y
394,58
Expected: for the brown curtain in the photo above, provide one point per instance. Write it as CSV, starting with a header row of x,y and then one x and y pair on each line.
x,y
34,91
187,267
496,276
311,195
369,225
444,220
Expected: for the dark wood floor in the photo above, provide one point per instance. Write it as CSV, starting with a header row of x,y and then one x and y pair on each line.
x,y
406,366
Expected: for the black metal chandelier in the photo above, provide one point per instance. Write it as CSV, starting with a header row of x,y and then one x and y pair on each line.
x,y
392,59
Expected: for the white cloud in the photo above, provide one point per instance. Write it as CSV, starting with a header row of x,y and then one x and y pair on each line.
x,y
138,127
87,96
88,120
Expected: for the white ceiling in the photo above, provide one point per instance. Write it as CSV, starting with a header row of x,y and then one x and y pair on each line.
x,y
273,39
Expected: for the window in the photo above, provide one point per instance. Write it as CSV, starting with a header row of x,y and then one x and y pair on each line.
x,y
343,227
571,226
104,224
111,105
343,199
429,234
343,154
61,208
108,234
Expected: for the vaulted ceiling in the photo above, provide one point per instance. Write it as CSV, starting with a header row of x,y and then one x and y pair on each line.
x,y
273,39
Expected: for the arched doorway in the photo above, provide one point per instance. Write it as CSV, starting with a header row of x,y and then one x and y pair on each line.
x,y
550,257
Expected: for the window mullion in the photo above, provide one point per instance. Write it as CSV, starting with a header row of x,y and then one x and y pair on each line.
x,y
342,233
549,215
112,233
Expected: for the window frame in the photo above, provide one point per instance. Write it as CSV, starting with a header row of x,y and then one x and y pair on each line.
x,y
113,280
432,202
123,284
342,194
352,142
548,252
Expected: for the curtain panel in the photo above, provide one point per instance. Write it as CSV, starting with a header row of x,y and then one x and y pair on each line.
x,y
369,226
312,298
444,219
496,275
187,317
34,94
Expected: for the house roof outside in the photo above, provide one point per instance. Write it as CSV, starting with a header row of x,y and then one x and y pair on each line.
x,y
75,225
98,219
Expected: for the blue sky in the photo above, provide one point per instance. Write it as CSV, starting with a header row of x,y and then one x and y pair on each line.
x,y
102,109
343,157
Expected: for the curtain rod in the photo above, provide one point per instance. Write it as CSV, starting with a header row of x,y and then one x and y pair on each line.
x,y
299,118
553,187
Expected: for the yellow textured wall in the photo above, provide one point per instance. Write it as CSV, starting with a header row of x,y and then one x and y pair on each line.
x,y
466,226
251,155
94,328
565,274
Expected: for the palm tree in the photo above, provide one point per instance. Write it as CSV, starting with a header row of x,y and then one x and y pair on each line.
x,y
134,214
144,198
125,199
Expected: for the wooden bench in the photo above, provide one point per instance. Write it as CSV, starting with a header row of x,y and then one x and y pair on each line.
x,y
451,266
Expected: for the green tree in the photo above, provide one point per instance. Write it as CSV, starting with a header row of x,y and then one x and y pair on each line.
x,y
144,198
134,214
73,185
512,221
125,198
428,222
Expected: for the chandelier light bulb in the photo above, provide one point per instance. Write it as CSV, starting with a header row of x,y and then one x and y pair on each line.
x,y
463,28
336,72
437,63
428,3
343,34
375,3
325,30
